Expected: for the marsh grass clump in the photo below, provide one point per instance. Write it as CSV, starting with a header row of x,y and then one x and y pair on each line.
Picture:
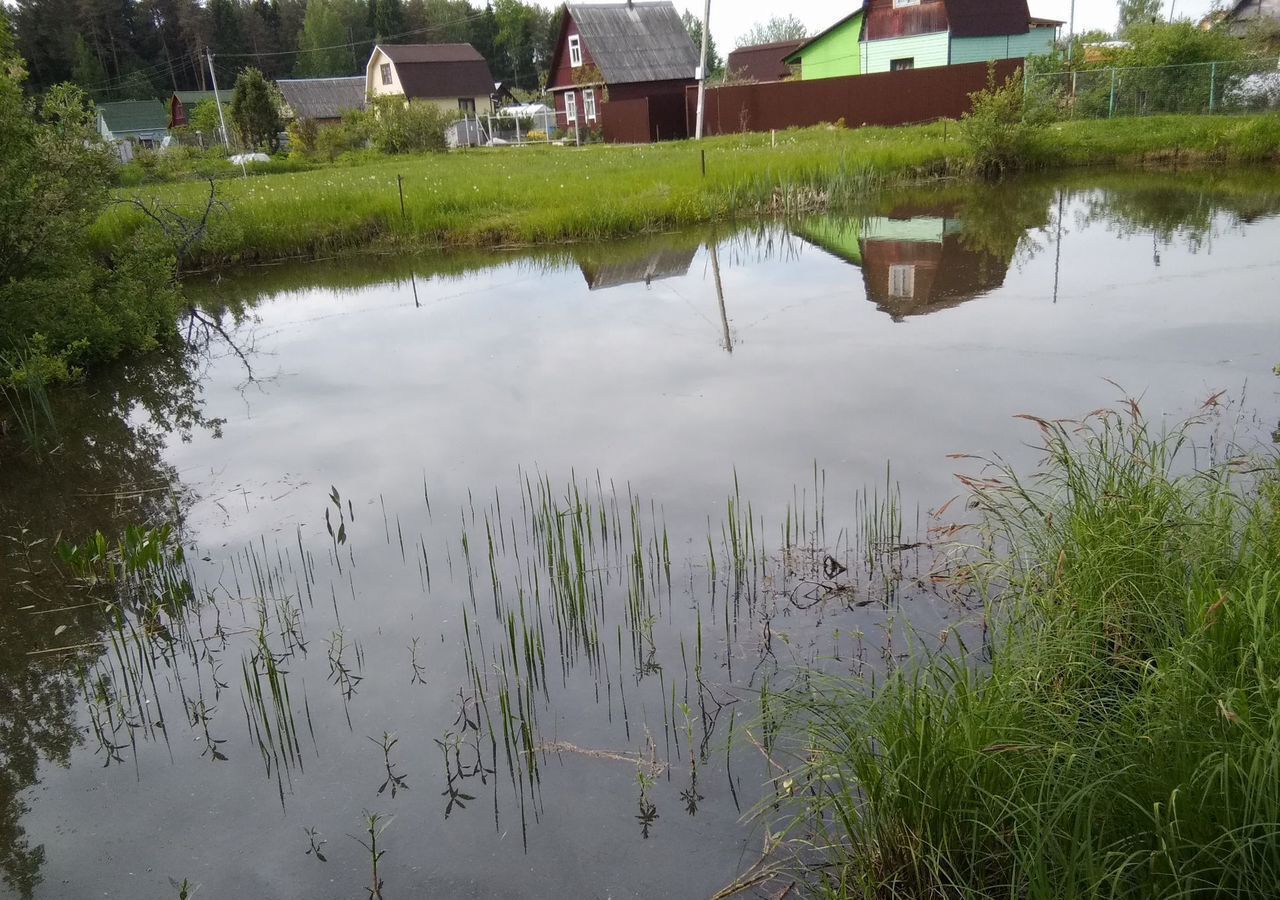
x,y
1119,735
1005,127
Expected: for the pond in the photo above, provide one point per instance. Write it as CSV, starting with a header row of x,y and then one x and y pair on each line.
x,y
493,555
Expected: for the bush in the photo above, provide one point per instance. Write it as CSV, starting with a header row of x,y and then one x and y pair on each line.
x,y
412,127
303,135
352,133
57,299
1004,126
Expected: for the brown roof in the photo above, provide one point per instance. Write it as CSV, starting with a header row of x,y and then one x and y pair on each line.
x,y
763,62
987,18
433,71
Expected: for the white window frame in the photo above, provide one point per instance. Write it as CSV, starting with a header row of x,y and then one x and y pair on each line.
x,y
575,51
571,108
589,104
902,282
899,4
384,69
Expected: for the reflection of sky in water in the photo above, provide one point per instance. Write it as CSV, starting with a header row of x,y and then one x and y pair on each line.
x,y
513,367
517,367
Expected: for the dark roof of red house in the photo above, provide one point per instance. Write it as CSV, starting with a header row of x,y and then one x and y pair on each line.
x,y
633,42
965,18
433,71
988,18
763,62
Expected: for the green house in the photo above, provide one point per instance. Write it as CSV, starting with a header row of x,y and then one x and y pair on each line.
x,y
893,35
834,53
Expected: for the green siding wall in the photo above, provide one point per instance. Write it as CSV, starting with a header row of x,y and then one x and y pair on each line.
x,y
834,55
1014,46
926,49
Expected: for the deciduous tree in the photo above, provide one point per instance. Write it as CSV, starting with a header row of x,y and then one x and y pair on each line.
x,y
778,28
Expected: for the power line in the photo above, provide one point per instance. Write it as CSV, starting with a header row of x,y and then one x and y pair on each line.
x,y
348,45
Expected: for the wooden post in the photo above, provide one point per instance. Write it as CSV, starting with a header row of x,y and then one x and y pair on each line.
x,y
400,185
704,163
1111,110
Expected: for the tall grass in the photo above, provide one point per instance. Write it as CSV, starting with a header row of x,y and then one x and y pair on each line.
x,y
1119,734
529,195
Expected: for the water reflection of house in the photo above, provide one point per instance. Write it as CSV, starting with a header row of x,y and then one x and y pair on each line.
x,y
911,265
635,263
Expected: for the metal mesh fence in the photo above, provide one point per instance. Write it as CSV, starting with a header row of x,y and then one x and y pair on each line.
x,y
1217,87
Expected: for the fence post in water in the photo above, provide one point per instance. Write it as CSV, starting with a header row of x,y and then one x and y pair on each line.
x,y
1111,109
400,185
1213,83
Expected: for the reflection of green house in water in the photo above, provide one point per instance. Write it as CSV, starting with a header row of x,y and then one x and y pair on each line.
x,y
911,265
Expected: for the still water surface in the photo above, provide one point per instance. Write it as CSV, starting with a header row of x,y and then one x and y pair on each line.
x,y
502,548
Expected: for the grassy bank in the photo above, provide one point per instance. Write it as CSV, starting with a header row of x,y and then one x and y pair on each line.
x,y
548,194
1118,735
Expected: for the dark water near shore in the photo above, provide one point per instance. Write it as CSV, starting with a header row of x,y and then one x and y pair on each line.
x,y
551,521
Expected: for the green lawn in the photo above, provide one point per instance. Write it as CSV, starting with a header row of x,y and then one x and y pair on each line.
x,y
527,195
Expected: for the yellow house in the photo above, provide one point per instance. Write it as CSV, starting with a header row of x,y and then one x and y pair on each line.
x,y
453,76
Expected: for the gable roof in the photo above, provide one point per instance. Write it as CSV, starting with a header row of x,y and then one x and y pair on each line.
x,y
635,41
795,54
967,18
433,71
763,62
130,116
988,18
191,98
322,98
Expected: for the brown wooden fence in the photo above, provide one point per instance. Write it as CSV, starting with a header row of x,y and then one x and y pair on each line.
x,y
888,98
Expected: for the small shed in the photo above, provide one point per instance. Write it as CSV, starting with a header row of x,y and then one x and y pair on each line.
x,y
181,103
321,99
762,62
145,122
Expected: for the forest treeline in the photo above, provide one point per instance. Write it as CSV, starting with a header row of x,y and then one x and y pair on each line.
x,y
141,49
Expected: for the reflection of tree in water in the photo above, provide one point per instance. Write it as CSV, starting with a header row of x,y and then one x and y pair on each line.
x,y
1001,220
1169,208
107,473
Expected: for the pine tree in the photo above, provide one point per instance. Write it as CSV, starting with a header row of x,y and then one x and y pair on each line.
x,y
254,111
388,19
322,28
692,24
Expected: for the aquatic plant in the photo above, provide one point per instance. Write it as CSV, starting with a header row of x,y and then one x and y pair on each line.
x,y
1116,734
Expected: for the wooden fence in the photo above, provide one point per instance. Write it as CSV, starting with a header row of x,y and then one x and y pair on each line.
x,y
888,98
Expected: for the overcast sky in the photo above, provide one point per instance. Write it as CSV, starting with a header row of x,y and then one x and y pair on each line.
x,y
730,18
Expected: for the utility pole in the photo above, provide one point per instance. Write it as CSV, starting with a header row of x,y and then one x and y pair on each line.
x,y
218,100
702,69
1071,35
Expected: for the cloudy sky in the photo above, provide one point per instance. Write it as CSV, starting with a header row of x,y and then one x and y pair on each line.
x,y
730,18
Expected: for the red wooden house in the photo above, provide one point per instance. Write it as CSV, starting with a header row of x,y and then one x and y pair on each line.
x,y
635,54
